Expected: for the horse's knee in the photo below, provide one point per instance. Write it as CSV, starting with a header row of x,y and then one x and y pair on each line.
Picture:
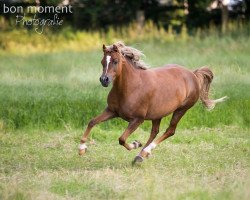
x,y
171,129
121,141
155,132
83,140
92,123
171,133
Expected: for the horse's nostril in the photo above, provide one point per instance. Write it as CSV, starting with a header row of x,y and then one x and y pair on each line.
x,y
106,79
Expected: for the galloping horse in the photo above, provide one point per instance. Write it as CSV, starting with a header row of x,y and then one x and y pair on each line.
x,y
140,94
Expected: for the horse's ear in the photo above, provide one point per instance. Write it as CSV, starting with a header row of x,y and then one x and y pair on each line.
x,y
104,47
115,48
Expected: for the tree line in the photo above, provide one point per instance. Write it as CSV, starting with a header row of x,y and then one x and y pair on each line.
x,y
101,14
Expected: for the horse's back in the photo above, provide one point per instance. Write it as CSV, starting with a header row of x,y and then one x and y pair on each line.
x,y
176,73
171,68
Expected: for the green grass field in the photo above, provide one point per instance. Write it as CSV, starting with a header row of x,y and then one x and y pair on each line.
x,y
46,100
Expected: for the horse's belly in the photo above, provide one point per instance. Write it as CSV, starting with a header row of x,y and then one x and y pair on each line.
x,y
161,110
131,112
165,101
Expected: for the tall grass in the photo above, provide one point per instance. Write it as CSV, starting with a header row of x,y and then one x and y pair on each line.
x,y
194,164
61,89
51,82
22,41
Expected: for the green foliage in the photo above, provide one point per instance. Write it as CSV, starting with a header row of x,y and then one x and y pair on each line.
x,y
61,89
23,42
96,14
194,164
198,15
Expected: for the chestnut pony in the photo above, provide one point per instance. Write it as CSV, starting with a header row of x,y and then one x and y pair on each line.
x,y
140,94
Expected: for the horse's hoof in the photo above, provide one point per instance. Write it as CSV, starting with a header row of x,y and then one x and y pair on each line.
x,y
82,151
145,154
137,159
140,144
137,144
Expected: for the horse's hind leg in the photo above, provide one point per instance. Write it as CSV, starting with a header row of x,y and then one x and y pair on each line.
x,y
106,115
154,132
177,115
133,125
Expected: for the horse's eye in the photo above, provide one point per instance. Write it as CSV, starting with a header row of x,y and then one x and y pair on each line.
x,y
115,62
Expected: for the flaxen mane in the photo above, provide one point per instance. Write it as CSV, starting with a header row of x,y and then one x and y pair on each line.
x,y
133,54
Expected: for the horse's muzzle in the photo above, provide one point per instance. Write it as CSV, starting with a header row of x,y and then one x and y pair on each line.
x,y
105,80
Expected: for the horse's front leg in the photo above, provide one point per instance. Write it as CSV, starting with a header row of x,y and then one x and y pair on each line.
x,y
133,125
106,115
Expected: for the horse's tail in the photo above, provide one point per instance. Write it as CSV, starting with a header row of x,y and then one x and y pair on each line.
x,y
205,77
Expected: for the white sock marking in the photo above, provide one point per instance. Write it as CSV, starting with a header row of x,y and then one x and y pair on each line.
x,y
131,146
151,146
107,63
82,146
134,145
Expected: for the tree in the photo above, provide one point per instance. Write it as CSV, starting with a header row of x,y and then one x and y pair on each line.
x,y
224,14
94,14
198,15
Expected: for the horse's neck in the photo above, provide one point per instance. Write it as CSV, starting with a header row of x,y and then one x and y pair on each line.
x,y
128,78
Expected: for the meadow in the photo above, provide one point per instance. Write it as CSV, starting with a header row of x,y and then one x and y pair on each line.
x,y
47,99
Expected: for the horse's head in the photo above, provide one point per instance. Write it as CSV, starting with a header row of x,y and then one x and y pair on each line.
x,y
111,63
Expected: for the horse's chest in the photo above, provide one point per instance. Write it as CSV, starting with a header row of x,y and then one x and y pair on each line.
x,y
126,108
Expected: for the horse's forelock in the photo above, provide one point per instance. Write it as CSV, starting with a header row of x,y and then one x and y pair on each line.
x,y
131,53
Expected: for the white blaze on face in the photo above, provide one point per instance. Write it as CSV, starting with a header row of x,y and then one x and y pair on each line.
x,y
107,63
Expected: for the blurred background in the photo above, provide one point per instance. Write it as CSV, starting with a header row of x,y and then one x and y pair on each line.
x,y
95,21
50,89
103,14
48,79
